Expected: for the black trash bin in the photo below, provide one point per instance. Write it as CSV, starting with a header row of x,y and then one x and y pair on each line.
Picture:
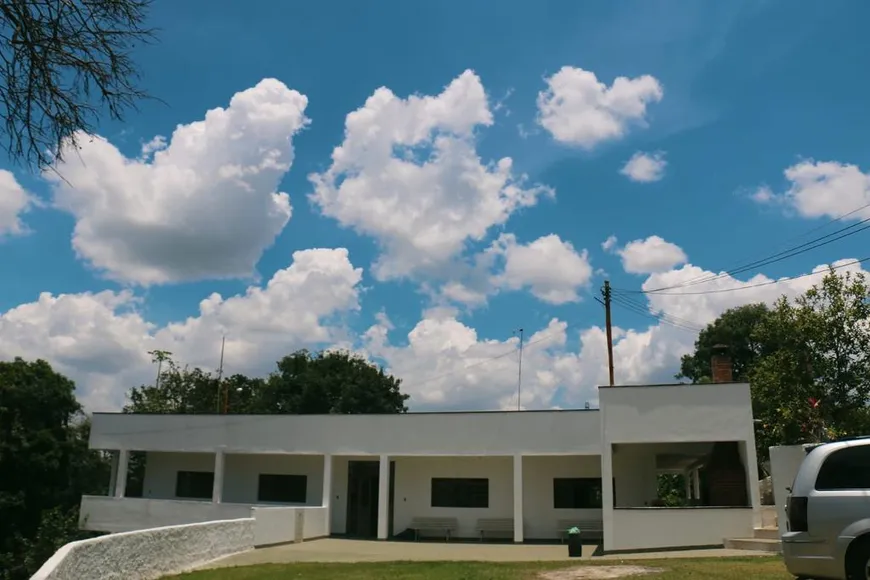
x,y
575,546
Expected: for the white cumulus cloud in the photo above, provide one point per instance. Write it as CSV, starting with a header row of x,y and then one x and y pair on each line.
x,y
550,267
14,202
822,188
645,167
101,339
204,204
578,109
408,174
649,255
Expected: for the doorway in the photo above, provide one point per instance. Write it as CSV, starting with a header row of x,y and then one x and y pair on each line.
x,y
363,478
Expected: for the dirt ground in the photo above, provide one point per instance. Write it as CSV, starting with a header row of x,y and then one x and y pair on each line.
x,y
598,572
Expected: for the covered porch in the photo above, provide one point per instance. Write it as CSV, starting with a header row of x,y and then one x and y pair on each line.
x,y
683,494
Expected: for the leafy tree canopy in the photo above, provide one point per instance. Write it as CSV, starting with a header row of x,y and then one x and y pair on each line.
x,y
303,383
45,465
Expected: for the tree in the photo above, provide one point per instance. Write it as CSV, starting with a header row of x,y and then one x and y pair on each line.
x,y
63,64
735,329
331,383
816,383
45,464
304,383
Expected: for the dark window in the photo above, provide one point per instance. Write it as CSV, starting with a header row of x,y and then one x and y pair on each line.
x,y
283,488
576,493
847,468
460,493
194,484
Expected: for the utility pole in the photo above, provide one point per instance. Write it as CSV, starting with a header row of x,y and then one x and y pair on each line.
x,y
221,372
520,372
606,293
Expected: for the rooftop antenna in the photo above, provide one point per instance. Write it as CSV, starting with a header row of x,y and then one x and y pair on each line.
x,y
520,370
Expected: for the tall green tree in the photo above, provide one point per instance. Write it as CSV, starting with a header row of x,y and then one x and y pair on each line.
x,y
735,328
816,383
45,465
331,382
304,383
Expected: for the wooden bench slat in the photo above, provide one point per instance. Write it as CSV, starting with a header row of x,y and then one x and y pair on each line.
x,y
588,526
485,525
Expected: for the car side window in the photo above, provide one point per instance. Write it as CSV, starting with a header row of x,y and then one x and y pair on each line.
x,y
847,468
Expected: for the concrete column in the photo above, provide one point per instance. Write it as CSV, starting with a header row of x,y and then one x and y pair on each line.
x,y
607,502
696,480
113,474
121,473
327,491
217,491
687,476
384,498
518,498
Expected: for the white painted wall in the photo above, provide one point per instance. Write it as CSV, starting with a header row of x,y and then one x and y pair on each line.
x,y
634,468
413,489
715,412
274,525
541,518
494,433
161,471
315,522
242,472
110,514
785,460
148,554
652,528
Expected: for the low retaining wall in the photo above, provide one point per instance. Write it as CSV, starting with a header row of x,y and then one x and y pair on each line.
x,y
148,554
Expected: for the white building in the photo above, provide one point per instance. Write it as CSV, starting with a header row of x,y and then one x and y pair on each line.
x,y
373,475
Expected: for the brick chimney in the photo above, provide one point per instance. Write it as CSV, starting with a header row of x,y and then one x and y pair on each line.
x,y
720,365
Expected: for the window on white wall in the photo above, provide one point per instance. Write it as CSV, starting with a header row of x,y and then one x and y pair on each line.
x,y
460,493
194,484
576,493
280,488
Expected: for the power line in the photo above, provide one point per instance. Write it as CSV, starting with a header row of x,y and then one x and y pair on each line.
x,y
768,283
788,253
662,317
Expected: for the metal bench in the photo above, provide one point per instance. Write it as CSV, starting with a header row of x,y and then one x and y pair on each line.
x,y
495,525
446,525
593,528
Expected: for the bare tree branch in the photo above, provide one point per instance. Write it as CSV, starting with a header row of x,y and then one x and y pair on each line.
x,y
63,65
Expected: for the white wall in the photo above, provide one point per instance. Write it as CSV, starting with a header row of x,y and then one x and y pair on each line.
x,y
413,489
241,475
148,554
541,518
109,514
634,468
653,528
494,433
274,525
161,471
715,412
785,461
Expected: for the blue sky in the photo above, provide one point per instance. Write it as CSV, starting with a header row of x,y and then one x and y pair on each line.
x,y
748,119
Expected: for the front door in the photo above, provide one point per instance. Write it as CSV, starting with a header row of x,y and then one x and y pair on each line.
x,y
363,478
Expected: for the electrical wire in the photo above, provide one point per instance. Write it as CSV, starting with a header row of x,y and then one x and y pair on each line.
x,y
664,317
643,311
785,254
759,285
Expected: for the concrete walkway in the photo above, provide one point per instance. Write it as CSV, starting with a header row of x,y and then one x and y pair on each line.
x,y
340,550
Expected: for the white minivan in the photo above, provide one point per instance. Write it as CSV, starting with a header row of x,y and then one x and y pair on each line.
x,y
828,513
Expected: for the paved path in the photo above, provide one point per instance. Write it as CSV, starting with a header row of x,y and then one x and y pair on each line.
x,y
340,550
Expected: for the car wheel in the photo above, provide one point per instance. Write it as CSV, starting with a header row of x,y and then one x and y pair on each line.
x,y
858,560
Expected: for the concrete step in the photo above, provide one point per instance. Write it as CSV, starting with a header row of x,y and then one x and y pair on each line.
x,y
769,516
766,533
755,544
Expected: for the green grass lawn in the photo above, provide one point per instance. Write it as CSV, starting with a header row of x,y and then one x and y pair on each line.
x,y
758,568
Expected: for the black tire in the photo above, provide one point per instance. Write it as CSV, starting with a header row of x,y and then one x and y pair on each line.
x,y
858,559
